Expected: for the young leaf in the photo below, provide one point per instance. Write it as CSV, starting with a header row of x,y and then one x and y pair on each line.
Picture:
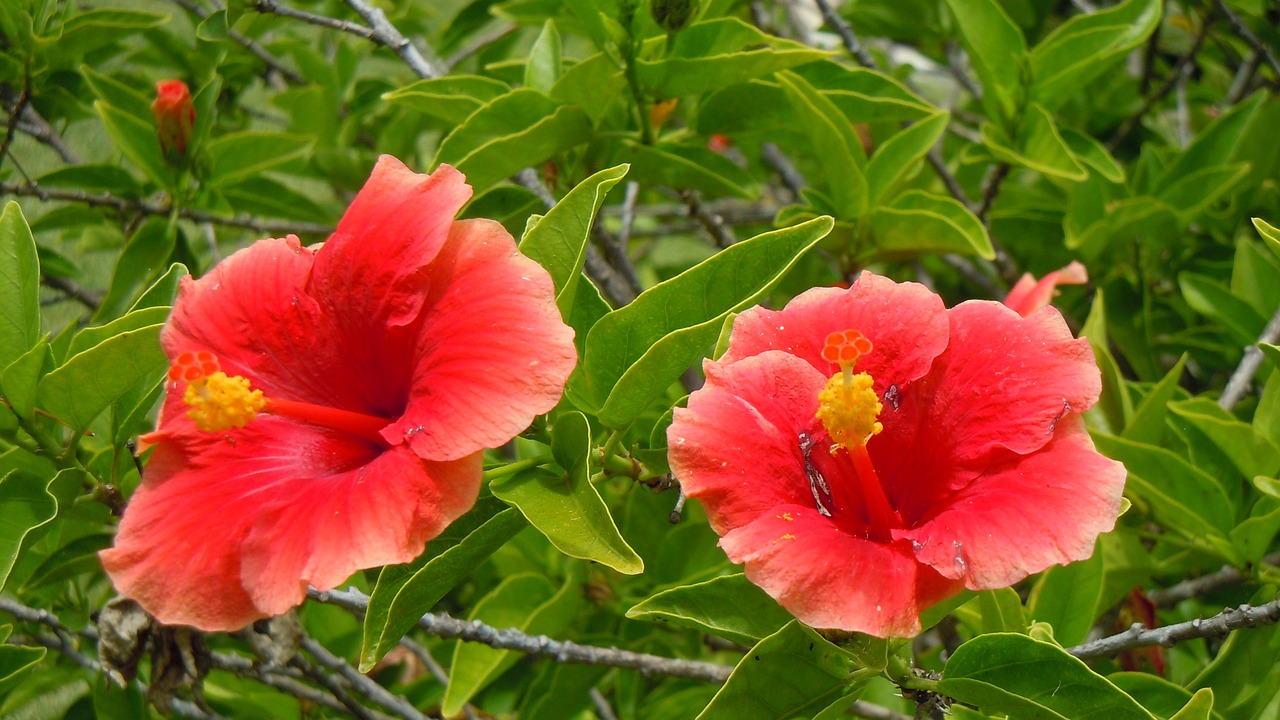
x,y
633,353
1066,597
1086,46
452,99
19,286
792,673
241,155
899,154
78,391
542,70
920,223
566,507
1028,679
25,504
729,606
998,52
835,145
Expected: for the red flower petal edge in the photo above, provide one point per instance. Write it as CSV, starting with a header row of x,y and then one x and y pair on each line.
x,y
389,357
1029,295
981,434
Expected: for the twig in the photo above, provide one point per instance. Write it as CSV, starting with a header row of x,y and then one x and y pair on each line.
x,y
1238,383
847,37
271,61
442,625
619,249
710,221
478,43
955,62
1139,635
384,33
437,671
89,298
362,683
778,160
33,124
677,512
11,127
271,7
1203,585
336,688
277,679
129,205
601,704
1243,31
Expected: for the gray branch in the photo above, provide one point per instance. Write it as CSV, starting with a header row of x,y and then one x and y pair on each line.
x,y
1139,635
1203,585
1240,380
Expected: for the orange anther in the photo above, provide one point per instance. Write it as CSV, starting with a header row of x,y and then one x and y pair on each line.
x,y
191,366
845,347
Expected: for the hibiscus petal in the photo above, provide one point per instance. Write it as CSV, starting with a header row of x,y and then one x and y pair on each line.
x,y
1024,513
736,447
1005,382
1028,295
906,323
496,353
830,579
326,528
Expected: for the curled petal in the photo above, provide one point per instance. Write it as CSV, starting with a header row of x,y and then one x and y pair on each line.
x,y
1025,513
1028,295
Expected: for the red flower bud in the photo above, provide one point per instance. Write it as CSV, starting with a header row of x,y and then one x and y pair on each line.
x,y
175,116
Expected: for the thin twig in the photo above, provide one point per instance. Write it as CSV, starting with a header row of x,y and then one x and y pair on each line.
x,y
362,683
847,36
1240,380
1195,587
15,113
129,205
478,43
338,690
384,33
601,703
33,124
619,249
565,651
271,61
436,669
89,298
715,225
1243,31
778,160
1139,635
271,7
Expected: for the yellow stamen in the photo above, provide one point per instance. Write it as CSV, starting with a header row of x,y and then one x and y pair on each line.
x,y
220,402
848,405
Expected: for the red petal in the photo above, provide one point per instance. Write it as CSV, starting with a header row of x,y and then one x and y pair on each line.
x,y
905,322
1025,513
190,547
736,447
495,352
829,579
1027,295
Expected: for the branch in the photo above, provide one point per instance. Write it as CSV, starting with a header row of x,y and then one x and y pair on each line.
x,y
1243,30
1139,635
709,220
847,37
384,33
362,683
1238,383
271,7
444,626
89,298
1204,584
129,205
271,61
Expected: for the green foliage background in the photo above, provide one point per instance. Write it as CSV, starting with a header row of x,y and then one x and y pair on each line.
x,y
730,153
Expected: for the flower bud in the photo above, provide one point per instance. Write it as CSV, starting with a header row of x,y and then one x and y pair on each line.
x,y
671,15
175,117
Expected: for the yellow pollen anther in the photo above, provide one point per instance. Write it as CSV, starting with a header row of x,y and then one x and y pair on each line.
x,y
221,402
848,405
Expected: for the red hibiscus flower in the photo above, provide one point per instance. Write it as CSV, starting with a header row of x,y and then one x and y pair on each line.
x,y
868,452
1029,295
328,406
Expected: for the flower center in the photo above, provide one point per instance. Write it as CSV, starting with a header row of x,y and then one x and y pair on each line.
x,y
848,408
220,402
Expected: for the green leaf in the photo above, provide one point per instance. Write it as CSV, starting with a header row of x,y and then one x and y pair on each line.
x,y
633,354
1161,697
1183,496
1212,299
834,144
515,603
900,153
25,504
1114,406
404,593
14,659
1192,193
452,99
241,155
1214,146
542,70
1199,707
685,167
1269,233
137,140
92,29
566,507
150,249
792,673
1032,680
78,391
93,177
93,336
716,53
120,95
729,606
19,286
19,380
512,132
559,241
1250,454
1147,424
1066,597
998,53
162,291
1001,611
1089,151
920,223
1253,536
1037,145
214,27
1086,46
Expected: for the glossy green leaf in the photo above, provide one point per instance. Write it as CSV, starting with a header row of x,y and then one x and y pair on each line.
x,y
18,381
559,241
512,132
1269,233
685,167
1213,299
898,155
834,144
163,291
792,673
404,593
1192,193
25,504
1162,697
1032,680
1181,494
14,659
137,140
148,251
1216,145
543,68
452,99
1250,454
920,223
1147,424
998,52
1037,145
241,155
1114,406
1089,151
120,95
1001,611
93,336
1086,46
565,506
1067,597
1252,536
729,606
716,53
78,391
19,286
634,353
1199,707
